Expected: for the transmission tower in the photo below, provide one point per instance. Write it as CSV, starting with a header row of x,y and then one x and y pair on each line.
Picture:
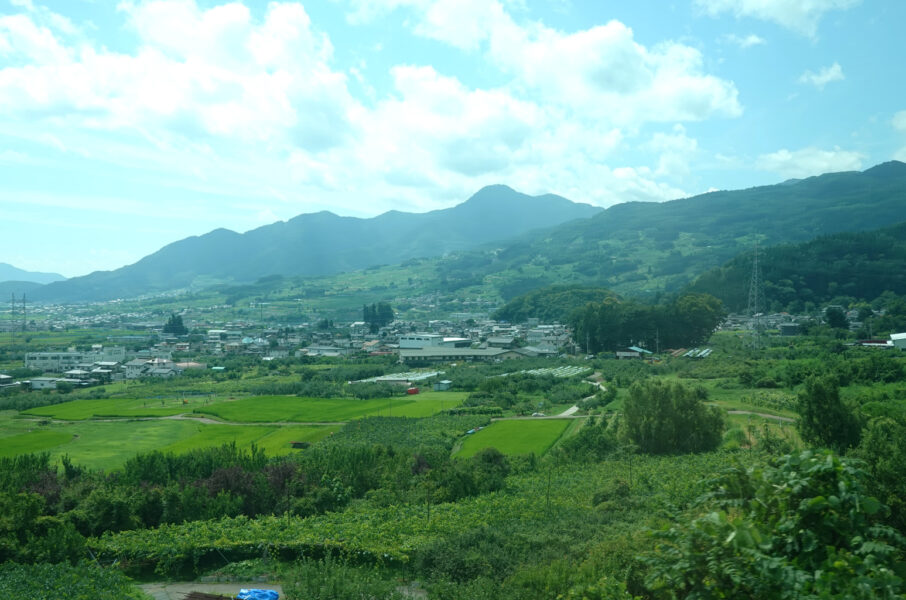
x,y
756,306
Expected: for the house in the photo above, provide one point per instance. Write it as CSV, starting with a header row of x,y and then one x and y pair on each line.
x,y
899,340
440,354
135,368
44,383
443,386
501,341
163,372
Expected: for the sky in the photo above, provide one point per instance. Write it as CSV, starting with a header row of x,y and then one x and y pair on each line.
x,y
125,126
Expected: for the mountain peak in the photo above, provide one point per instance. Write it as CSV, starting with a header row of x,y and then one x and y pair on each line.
x,y
891,168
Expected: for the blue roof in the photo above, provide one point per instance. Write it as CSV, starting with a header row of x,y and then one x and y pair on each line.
x,y
642,350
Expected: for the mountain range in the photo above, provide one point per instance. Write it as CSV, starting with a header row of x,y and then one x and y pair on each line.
x,y
323,243
526,242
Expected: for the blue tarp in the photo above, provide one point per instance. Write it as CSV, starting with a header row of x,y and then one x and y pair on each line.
x,y
258,595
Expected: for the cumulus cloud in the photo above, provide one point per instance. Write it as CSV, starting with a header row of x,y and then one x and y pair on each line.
x,y
801,16
810,161
744,41
196,72
823,76
234,102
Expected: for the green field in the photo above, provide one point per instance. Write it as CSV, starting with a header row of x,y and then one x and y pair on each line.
x,y
273,440
280,409
79,410
515,437
108,445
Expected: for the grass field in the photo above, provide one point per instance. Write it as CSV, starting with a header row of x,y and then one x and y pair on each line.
x,y
108,445
79,410
279,409
515,437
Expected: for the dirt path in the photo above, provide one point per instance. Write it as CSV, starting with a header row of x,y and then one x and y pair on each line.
x,y
763,415
178,590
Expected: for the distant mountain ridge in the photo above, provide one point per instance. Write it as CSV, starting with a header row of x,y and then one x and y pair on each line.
x,y
11,273
324,243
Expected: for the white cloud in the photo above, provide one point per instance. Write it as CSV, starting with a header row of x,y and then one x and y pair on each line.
x,y
899,121
899,124
675,152
810,161
801,16
823,76
746,41
600,73
228,104
197,73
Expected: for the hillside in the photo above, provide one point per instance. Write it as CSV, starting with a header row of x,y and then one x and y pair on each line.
x,y
860,266
11,273
649,248
323,243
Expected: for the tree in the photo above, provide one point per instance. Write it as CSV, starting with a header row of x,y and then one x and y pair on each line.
x,y
824,420
668,417
836,318
175,325
377,315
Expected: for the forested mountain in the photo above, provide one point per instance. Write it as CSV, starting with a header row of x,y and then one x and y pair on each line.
x,y
647,248
324,243
11,273
858,266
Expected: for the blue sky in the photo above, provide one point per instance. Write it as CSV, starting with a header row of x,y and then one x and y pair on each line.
x,y
126,126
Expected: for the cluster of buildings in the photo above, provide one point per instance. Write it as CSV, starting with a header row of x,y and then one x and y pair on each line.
x,y
102,364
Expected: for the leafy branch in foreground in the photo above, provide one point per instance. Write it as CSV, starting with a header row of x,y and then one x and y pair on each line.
x,y
800,527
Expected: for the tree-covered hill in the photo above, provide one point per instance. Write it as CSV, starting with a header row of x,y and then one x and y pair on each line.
x,y
647,248
553,303
858,266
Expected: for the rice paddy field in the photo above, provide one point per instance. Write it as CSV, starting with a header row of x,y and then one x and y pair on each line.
x,y
278,409
515,437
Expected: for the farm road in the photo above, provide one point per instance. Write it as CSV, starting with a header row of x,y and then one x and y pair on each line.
x,y
763,415
178,591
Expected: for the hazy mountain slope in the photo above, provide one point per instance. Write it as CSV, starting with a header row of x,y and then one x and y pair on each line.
x,y
323,243
11,273
8,288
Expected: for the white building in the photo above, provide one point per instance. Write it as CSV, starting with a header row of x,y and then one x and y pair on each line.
x,y
899,340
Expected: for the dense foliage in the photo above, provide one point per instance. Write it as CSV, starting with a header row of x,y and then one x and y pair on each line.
x,y
616,324
551,304
44,581
799,527
669,417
